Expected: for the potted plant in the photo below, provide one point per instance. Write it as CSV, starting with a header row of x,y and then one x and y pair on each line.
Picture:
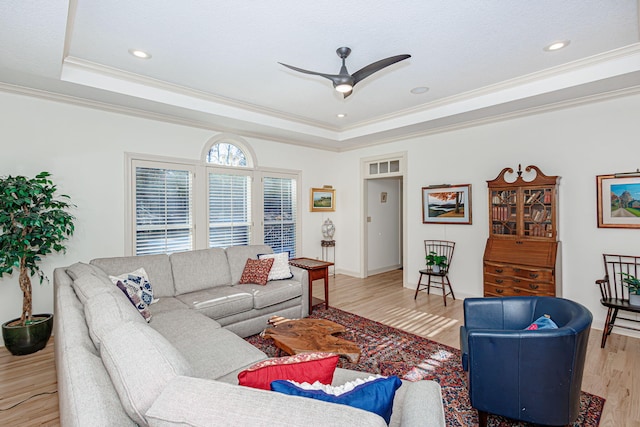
x,y
633,284
436,262
33,223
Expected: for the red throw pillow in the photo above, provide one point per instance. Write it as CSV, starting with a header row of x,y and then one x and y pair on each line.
x,y
256,271
305,367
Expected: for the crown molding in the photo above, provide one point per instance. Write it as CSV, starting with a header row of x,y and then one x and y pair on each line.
x,y
578,65
114,73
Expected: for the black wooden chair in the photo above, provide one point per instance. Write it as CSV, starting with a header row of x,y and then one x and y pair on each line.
x,y
438,279
615,296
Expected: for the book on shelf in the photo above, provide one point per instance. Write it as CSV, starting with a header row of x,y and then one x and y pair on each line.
x,y
501,213
533,197
547,196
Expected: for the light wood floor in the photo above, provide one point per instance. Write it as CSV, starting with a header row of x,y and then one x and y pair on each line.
x,y
609,372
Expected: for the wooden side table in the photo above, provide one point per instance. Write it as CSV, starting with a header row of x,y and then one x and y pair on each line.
x,y
317,270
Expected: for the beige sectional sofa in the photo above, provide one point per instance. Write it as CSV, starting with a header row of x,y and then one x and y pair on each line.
x,y
180,368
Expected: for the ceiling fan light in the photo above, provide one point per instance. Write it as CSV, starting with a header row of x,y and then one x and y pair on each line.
x,y
344,88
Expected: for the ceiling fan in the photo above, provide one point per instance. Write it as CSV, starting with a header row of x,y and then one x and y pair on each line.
x,y
344,82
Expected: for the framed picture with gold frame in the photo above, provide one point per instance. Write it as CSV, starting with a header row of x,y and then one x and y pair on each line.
x,y
322,200
618,200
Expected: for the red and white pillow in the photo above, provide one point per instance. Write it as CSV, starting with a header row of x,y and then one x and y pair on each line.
x,y
304,367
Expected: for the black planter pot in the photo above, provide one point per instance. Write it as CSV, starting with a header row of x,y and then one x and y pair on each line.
x,y
21,340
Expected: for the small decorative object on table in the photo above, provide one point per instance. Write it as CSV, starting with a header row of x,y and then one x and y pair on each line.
x,y
328,229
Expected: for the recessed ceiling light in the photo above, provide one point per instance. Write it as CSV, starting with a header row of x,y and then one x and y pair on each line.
x,y
140,53
341,115
557,45
420,89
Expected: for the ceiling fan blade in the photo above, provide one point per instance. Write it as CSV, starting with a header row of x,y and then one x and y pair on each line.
x,y
331,77
377,66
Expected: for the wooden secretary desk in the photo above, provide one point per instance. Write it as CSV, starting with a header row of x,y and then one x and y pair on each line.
x,y
522,253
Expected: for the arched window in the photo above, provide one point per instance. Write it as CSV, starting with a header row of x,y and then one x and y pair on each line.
x,y
226,154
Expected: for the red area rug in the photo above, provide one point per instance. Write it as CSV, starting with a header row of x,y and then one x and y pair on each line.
x,y
390,351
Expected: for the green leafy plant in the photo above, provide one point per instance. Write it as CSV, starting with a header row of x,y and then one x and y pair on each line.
x,y
433,259
33,223
631,282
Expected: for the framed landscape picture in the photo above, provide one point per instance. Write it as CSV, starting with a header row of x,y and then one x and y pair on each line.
x,y
323,200
618,201
446,204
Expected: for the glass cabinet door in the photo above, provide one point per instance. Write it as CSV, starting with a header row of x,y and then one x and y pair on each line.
x,y
537,212
504,210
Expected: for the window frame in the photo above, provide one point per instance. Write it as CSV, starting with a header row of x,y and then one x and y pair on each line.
x,y
200,170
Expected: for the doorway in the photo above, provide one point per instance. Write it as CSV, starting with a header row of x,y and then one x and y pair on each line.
x,y
383,214
384,225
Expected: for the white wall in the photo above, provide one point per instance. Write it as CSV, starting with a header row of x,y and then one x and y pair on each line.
x,y
575,143
383,231
85,149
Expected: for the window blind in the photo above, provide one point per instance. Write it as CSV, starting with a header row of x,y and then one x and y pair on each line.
x,y
229,210
280,214
164,208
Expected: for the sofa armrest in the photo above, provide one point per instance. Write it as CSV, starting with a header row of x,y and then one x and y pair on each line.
x,y
422,405
302,276
199,402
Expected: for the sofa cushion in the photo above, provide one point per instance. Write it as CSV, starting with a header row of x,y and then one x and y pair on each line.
x,y
218,302
374,394
304,367
157,267
167,304
106,311
273,293
237,257
256,271
211,351
201,269
80,269
88,285
190,401
140,363
280,269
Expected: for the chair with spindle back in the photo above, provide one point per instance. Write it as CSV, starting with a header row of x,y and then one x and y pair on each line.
x,y
615,295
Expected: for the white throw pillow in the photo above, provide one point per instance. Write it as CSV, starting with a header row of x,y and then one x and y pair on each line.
x,y
280,269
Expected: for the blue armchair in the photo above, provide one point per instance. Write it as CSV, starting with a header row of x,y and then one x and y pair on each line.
x,y
528,375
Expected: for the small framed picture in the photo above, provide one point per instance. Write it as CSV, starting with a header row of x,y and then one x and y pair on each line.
x,y
383,197
618,201
323,200
446,204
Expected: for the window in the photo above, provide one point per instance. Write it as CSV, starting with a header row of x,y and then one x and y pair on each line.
x,y
280,214
163,210
178,205
229,210
226,154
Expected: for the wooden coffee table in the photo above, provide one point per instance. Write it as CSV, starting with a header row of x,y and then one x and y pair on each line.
x,y
310,335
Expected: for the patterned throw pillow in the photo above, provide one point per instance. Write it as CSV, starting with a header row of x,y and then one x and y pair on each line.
x,y
137,288
256,271
374,394
304,367
131,293
280,269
